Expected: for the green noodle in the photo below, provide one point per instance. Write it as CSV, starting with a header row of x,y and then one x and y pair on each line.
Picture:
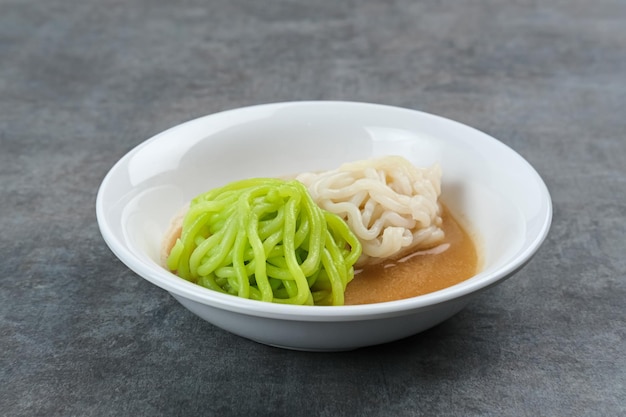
x,y
265,239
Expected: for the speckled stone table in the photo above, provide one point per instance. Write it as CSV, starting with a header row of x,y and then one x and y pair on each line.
x,y
82,82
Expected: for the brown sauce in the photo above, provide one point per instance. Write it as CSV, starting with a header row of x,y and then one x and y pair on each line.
x,y
455,260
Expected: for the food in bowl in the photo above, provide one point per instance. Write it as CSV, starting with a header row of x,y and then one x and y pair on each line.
x,y
298,241
390,204
265,239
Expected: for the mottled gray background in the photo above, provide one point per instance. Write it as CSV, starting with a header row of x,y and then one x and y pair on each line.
x,y
83,81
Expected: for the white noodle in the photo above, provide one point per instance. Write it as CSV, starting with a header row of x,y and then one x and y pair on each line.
x,y
390,205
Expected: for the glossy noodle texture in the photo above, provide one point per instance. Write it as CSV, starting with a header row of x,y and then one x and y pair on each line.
x,y
266,239
391,205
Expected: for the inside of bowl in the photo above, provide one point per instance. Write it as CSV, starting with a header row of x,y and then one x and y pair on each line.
x,y
484,187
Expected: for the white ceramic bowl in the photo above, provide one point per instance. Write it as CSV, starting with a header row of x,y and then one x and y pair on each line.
x,y
486,185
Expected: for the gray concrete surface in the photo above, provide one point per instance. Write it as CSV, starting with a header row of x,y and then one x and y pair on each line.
x,y
82,82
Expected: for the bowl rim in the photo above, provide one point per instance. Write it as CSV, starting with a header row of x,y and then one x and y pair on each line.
x,y
179,287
